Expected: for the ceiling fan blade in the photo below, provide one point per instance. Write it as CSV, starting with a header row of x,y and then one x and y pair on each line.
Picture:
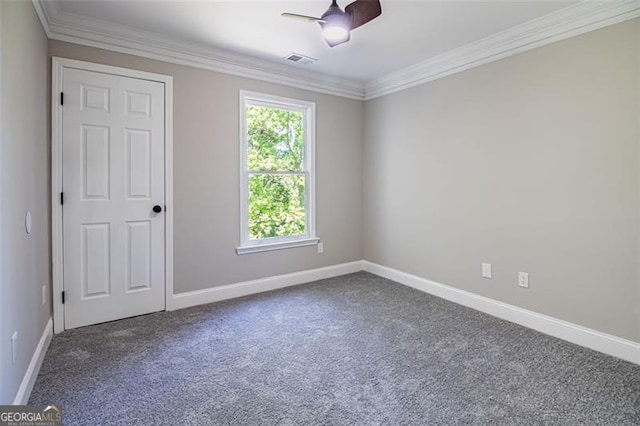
x,y
363,11
303,18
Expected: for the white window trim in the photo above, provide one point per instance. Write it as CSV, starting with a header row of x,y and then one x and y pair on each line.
x,y
278,243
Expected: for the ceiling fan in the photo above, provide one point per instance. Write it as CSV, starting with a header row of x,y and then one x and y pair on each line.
x,y
336,24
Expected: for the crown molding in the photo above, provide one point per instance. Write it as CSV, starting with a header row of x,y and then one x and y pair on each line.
x,y
42,16
571,21
100,34
565,23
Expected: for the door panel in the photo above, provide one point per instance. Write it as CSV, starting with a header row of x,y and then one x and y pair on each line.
x,y
138,164
95,162
113,175
139,255
95,263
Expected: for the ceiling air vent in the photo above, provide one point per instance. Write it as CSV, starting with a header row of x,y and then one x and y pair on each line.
x,y
300,59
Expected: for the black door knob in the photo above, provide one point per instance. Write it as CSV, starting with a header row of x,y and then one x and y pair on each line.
x,y
157,209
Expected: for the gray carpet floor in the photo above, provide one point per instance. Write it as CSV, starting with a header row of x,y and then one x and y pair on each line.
x,y
352,350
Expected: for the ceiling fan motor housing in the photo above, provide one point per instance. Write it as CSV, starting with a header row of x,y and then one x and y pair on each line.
x,y
335,16
334,9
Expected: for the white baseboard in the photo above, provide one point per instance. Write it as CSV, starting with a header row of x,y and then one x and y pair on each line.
x,y
24,391
583,336
215,294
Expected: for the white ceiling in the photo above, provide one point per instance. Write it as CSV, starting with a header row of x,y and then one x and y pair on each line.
x,y
408,32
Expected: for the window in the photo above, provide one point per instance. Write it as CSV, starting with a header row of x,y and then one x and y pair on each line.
x,y
277,180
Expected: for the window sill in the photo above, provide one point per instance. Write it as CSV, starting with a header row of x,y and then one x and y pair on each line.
x,y
277,246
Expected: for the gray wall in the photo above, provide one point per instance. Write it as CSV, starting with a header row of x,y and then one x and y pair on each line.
x,y
529,163
24,185
206,174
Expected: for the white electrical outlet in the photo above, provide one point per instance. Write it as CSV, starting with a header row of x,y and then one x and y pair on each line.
x,y
44,294
320,247
486,270
14,347
523,279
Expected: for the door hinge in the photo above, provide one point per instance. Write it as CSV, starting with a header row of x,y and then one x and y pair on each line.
x,y
61,98
62,198
63,297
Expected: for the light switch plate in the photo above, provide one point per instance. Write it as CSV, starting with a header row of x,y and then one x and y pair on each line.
x,y
28,223
486,270
14,347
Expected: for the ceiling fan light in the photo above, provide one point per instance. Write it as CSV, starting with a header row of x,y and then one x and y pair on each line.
x,y
335,33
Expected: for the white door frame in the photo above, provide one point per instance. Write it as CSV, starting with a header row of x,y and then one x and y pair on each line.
x,y
57,69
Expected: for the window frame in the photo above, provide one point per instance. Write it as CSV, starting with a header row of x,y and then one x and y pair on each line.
x,y
308,109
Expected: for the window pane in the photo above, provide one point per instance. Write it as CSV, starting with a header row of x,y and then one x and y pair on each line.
x,y
275,139
276,205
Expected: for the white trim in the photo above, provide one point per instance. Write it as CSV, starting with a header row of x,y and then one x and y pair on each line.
x,y
57,69
309,110
30,376
106,35
168,190
568,22
57,260
215,294
257,248
583,336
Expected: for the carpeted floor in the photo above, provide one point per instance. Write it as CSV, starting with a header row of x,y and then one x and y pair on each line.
x,y
357,349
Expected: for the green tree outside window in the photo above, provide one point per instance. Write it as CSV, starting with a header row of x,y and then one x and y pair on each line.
x,y
277,179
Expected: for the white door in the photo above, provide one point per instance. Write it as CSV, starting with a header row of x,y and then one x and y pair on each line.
x,y
113,136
